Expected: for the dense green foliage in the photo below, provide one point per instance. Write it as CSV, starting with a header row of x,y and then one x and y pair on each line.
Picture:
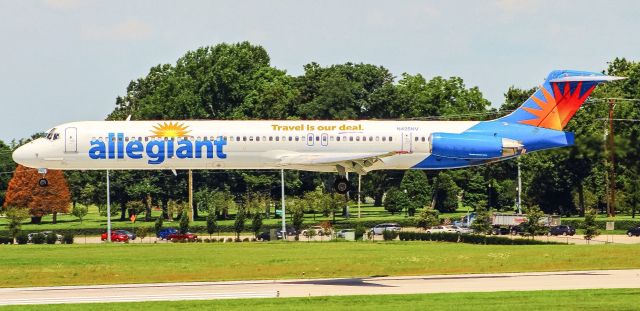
x,y
467,238
237,81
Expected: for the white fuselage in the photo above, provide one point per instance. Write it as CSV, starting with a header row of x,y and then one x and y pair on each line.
x,y
270,144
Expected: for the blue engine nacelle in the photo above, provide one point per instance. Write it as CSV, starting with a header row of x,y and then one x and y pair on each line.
x,y
469,146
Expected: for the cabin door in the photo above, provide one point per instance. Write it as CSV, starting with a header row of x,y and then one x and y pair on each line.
x,y
407,144
71,140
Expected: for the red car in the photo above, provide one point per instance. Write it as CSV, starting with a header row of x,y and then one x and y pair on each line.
x,y
174,237
115,237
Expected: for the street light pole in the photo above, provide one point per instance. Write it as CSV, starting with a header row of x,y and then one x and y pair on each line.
x,y
284,227
108,209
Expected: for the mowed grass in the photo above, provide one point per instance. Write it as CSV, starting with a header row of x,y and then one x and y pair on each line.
x,y
600,299
47,265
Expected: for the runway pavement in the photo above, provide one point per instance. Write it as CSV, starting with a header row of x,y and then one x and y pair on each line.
x,y
324,287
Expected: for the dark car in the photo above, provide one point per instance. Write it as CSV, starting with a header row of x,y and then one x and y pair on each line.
x,y
634,231
517,230
164,233
176,237
132,236
562,230
115,237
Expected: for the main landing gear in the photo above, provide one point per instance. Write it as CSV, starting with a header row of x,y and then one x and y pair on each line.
x,y
43,182
341,185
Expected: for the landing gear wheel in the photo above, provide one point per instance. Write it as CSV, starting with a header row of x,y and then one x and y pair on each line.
x,y
43,182
341,185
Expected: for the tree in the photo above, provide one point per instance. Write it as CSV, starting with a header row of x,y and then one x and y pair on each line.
x,y
416,185
211,223
533,226
238,224
297,215
157,226
446,193
396,200
256,223
79,211
590,226
24,191
16,216
427,218
142,232
184,223
482,222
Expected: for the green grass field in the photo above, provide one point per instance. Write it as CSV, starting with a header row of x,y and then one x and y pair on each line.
x,y
48,265
601,299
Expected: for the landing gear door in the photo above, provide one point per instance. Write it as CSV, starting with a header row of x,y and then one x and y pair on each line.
x,y
71,140
407,144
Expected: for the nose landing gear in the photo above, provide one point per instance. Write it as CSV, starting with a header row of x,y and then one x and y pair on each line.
x,y
43,182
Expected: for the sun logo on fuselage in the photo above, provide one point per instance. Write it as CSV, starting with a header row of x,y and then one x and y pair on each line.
x,y
170,130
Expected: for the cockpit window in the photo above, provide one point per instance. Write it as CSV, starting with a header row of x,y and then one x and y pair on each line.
x,y
52,135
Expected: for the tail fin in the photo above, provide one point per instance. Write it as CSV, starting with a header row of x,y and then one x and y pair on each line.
x,y
557,99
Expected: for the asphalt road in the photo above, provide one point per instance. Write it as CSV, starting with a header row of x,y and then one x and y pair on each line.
x,y
324,287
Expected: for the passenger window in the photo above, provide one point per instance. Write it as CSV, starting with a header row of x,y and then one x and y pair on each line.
x,y
250,138
257,138
422,139
297,138
416,138
350,138
357,138
270,138
370,138
290,138
384,138
390,138
277,138
317,138
244,138
264,138
337,138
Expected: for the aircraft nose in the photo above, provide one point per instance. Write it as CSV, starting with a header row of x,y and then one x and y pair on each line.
x,y
24,155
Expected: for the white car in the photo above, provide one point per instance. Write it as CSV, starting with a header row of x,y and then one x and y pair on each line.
x,y
462,230
438,229
378,229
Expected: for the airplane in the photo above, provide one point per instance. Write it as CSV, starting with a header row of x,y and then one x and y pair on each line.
x,y
341,146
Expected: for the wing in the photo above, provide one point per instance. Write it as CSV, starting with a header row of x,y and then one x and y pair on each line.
x,y
358,162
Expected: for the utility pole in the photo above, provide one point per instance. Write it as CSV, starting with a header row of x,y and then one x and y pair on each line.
x,y
612,171
108,209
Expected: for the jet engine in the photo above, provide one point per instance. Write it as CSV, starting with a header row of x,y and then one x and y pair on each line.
x,y
471,147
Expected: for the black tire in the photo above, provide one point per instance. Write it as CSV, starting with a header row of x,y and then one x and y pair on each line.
x,y
43,182
341,185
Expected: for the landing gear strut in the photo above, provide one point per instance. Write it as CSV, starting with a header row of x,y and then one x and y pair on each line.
x,y
341,185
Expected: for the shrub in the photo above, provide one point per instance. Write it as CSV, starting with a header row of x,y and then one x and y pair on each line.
x,y
22,238
67,238
206,240
467,238
6,240
38,238
389,235
229,240
52,238
360,231
245,240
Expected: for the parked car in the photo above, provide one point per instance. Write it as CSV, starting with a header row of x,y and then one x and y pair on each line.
x,y
517,230
378,229
562,230
175,237
500,231
634,231
132,236
318,231
164,233
341,234
461,230
115,237
437,229
46,233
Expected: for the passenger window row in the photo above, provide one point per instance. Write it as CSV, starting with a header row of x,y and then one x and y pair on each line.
x,y
338,138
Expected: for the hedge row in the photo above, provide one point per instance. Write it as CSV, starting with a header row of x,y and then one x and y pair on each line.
x,y
467,238
601,223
